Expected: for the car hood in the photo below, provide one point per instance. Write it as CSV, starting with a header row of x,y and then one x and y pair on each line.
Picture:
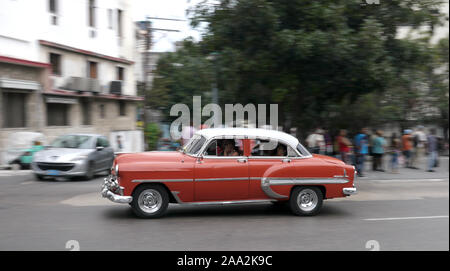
x,y
160,156
59,155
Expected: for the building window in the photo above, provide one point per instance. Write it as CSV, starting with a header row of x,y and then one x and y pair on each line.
x,y
110,18
57,114
119,23
85,112
120,74
92,69
55,61
122,109
102,111
53,9
91,13
52,6
14,109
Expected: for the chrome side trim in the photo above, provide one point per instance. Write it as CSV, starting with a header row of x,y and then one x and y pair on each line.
x,y
266,183
223,179
162,180
285,181
175,195
265,186
191,180
228,202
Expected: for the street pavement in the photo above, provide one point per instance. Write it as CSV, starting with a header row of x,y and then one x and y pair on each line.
x,y
406,211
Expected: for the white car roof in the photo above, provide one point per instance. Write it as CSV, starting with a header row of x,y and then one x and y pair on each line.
x,y
251,133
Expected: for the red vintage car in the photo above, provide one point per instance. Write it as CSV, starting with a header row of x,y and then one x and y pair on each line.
x,y
229,166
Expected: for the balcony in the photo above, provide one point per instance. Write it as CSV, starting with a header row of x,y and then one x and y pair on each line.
x,y
83,84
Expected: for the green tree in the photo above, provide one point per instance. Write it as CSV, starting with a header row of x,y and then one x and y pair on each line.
x,y
319,60
152,134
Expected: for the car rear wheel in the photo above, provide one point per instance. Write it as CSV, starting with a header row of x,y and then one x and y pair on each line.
x,y
306,201
150,201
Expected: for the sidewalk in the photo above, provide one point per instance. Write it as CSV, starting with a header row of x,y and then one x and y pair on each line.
x,y
441,172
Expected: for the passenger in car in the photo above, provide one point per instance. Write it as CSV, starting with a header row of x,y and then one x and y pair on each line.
x,y
228,146
281,150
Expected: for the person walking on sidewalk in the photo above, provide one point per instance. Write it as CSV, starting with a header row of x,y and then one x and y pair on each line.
x,y
395,152
432,149
378,145
316,141
419,139
344,146
361,150
407,147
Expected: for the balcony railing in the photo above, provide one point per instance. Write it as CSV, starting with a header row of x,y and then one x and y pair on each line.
x,y
83,84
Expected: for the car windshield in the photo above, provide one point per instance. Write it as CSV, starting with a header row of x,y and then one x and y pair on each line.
x,y
194,144
73,142
303,151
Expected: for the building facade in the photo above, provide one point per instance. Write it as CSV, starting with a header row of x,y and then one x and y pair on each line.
x,y
67,67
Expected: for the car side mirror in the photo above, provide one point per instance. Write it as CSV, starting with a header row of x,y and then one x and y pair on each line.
x,y
99,148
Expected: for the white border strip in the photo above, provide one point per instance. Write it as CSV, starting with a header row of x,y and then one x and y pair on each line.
x,y
405,218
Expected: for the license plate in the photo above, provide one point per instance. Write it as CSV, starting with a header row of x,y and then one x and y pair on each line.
x,y
53,172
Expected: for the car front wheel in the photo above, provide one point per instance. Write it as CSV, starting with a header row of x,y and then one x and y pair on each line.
x,y
306,201
150,201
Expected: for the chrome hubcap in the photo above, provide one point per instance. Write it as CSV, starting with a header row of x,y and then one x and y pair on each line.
x,y
307,200
150,201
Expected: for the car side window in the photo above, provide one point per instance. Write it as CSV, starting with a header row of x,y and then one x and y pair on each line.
x,y
105,142
225,148
211,150
102,142
270,148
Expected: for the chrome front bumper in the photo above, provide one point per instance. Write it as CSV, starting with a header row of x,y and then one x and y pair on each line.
x,y
112,191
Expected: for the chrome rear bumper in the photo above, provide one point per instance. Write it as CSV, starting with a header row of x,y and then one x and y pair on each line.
x,y
348,191
112,191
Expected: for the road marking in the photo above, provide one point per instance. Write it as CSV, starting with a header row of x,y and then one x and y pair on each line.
x,y
27,183
405,180
405,218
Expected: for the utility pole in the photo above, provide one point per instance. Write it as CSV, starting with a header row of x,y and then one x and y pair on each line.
x,y
146,69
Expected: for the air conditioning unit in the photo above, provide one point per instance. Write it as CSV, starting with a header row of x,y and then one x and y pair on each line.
x,y
115,87
94,86
79,84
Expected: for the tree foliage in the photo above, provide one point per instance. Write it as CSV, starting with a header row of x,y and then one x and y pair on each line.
x,y
321,61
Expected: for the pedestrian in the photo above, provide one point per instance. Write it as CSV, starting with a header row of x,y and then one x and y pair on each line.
x,y
361,150
407,147
328,143
395,152
119,143
344,145
419,139
316,141
432,149
378,145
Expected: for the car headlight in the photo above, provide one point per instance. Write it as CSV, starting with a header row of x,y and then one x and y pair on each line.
x,y
79,158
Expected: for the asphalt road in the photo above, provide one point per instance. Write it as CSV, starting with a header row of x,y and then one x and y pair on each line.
x,y
407,211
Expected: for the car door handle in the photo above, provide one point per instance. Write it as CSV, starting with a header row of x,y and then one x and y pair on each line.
x,y
286,160
242,160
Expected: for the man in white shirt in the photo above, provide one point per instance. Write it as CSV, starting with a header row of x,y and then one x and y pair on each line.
x,y
316,141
